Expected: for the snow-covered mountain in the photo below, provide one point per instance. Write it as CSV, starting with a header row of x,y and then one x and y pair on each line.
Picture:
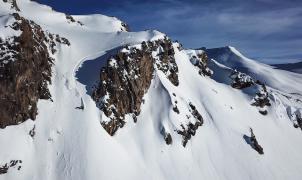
x,y
83,98
293,67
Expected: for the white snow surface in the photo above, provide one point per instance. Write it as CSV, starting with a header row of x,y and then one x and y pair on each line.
x,y
71,144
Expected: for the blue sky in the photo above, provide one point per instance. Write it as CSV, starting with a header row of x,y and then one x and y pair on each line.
x,y
267,30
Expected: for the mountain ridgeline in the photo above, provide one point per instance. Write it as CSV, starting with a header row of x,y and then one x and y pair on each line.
x,y
82,97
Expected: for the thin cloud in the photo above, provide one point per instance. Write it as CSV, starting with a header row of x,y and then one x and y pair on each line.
x,y
259,28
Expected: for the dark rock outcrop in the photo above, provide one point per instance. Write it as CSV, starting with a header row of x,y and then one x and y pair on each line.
x,y
261,99
167,136
165,60
175,109
195,113
12,164
127,77
25,72
3,169
190,129
241,80
70,19
298,121
254,143
168,139
32,132
201,62
122,85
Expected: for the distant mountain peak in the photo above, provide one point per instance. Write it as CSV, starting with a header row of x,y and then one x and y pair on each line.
x,y
83,98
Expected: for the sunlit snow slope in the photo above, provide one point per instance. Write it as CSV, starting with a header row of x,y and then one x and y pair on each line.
x,y
70,143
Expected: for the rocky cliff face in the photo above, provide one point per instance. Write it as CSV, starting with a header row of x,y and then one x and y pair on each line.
x,y
193,118
127,77
25,71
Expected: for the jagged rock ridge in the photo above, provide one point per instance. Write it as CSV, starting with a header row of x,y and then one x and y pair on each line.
x,y
127,77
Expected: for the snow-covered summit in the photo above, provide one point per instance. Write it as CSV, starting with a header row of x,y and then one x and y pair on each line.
x,y
231,57
90,100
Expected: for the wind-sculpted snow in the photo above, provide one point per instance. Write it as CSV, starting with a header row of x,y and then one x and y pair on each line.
x,y
193,115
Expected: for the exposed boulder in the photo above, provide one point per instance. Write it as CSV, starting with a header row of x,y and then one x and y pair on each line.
x,y
167,136
175,109
241,80
168,139
254,143
32,132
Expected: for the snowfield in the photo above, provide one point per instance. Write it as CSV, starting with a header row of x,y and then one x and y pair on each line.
x,y
71,144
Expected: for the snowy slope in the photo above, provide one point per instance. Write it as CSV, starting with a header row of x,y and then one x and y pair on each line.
x,y
279,79
71,144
